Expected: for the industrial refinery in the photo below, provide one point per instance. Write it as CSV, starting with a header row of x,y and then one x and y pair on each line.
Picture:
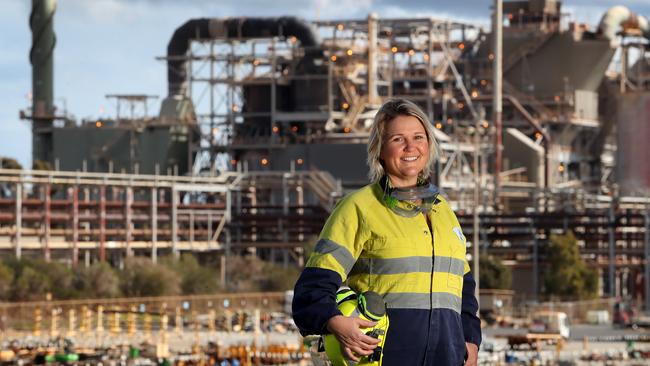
x,y
542,124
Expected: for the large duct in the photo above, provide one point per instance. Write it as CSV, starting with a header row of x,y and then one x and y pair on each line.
x,y
619,17
205,28
41,57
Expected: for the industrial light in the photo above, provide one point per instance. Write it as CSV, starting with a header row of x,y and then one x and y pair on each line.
x,y
264,161
560,167
461,46
438,125
346,105
474,94
333,58
349,52
461,105
394,49
299,161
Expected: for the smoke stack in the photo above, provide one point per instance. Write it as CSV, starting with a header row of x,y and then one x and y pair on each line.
x,y
41,57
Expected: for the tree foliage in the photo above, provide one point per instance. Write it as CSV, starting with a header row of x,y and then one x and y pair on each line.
x,y
195,278
141,277
6,281
9,163
98,280
568,276
493,274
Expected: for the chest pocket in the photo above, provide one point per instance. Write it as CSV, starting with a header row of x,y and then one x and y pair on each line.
x,y
391,247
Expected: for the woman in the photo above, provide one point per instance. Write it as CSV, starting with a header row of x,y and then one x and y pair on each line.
x,y
399,238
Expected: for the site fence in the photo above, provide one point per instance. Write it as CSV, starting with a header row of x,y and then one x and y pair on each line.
x,y
214,312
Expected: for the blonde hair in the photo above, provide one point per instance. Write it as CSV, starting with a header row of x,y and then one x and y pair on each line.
x,y
389,111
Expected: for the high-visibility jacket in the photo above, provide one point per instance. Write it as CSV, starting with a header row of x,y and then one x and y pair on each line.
x,y
423,277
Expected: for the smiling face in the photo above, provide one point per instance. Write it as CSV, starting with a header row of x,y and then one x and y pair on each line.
x,y
404,151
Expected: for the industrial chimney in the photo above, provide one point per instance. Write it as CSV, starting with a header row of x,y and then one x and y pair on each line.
x,y
41,57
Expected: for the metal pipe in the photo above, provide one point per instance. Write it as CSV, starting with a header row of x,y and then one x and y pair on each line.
x,y
646,278
102,223
497,90
75,224
128,213
536,125
476,227
373,94
617,16
234,28
42,60
175,222
19,218
154,225
46,234
612,245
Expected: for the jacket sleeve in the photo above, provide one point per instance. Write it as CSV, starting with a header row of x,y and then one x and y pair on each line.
x,y
337,249
469,318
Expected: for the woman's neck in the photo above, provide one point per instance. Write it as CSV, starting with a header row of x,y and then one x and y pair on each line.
x,y
400,183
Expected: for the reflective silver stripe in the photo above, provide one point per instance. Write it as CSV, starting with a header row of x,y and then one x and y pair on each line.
x,y
389,266
452,265
339,252
435,300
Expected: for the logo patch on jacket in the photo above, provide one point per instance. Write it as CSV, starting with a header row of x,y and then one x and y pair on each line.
x,y
459,234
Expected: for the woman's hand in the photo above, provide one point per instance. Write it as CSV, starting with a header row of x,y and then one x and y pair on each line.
x,y
354,342
472,354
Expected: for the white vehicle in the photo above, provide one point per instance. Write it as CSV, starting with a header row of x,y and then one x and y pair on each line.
x,y
550,322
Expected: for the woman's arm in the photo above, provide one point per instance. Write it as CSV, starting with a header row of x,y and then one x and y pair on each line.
x,y
469,317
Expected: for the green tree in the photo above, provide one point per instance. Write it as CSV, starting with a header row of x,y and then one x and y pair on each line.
x,y
97,281
141,277
568,276
493,274
6,281
30,285
9,163
195,278
41,165
253,274
60,278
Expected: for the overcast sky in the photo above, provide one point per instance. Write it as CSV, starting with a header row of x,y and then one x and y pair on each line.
x,y
109,46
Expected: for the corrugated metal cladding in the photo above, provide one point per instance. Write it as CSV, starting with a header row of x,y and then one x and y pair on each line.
x,y
633,134
124,147
344,161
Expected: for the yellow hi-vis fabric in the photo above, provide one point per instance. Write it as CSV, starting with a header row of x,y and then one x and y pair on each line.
x,y
333,347
374,249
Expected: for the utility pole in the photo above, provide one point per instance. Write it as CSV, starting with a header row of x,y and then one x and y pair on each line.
x,y
477,187
497,106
